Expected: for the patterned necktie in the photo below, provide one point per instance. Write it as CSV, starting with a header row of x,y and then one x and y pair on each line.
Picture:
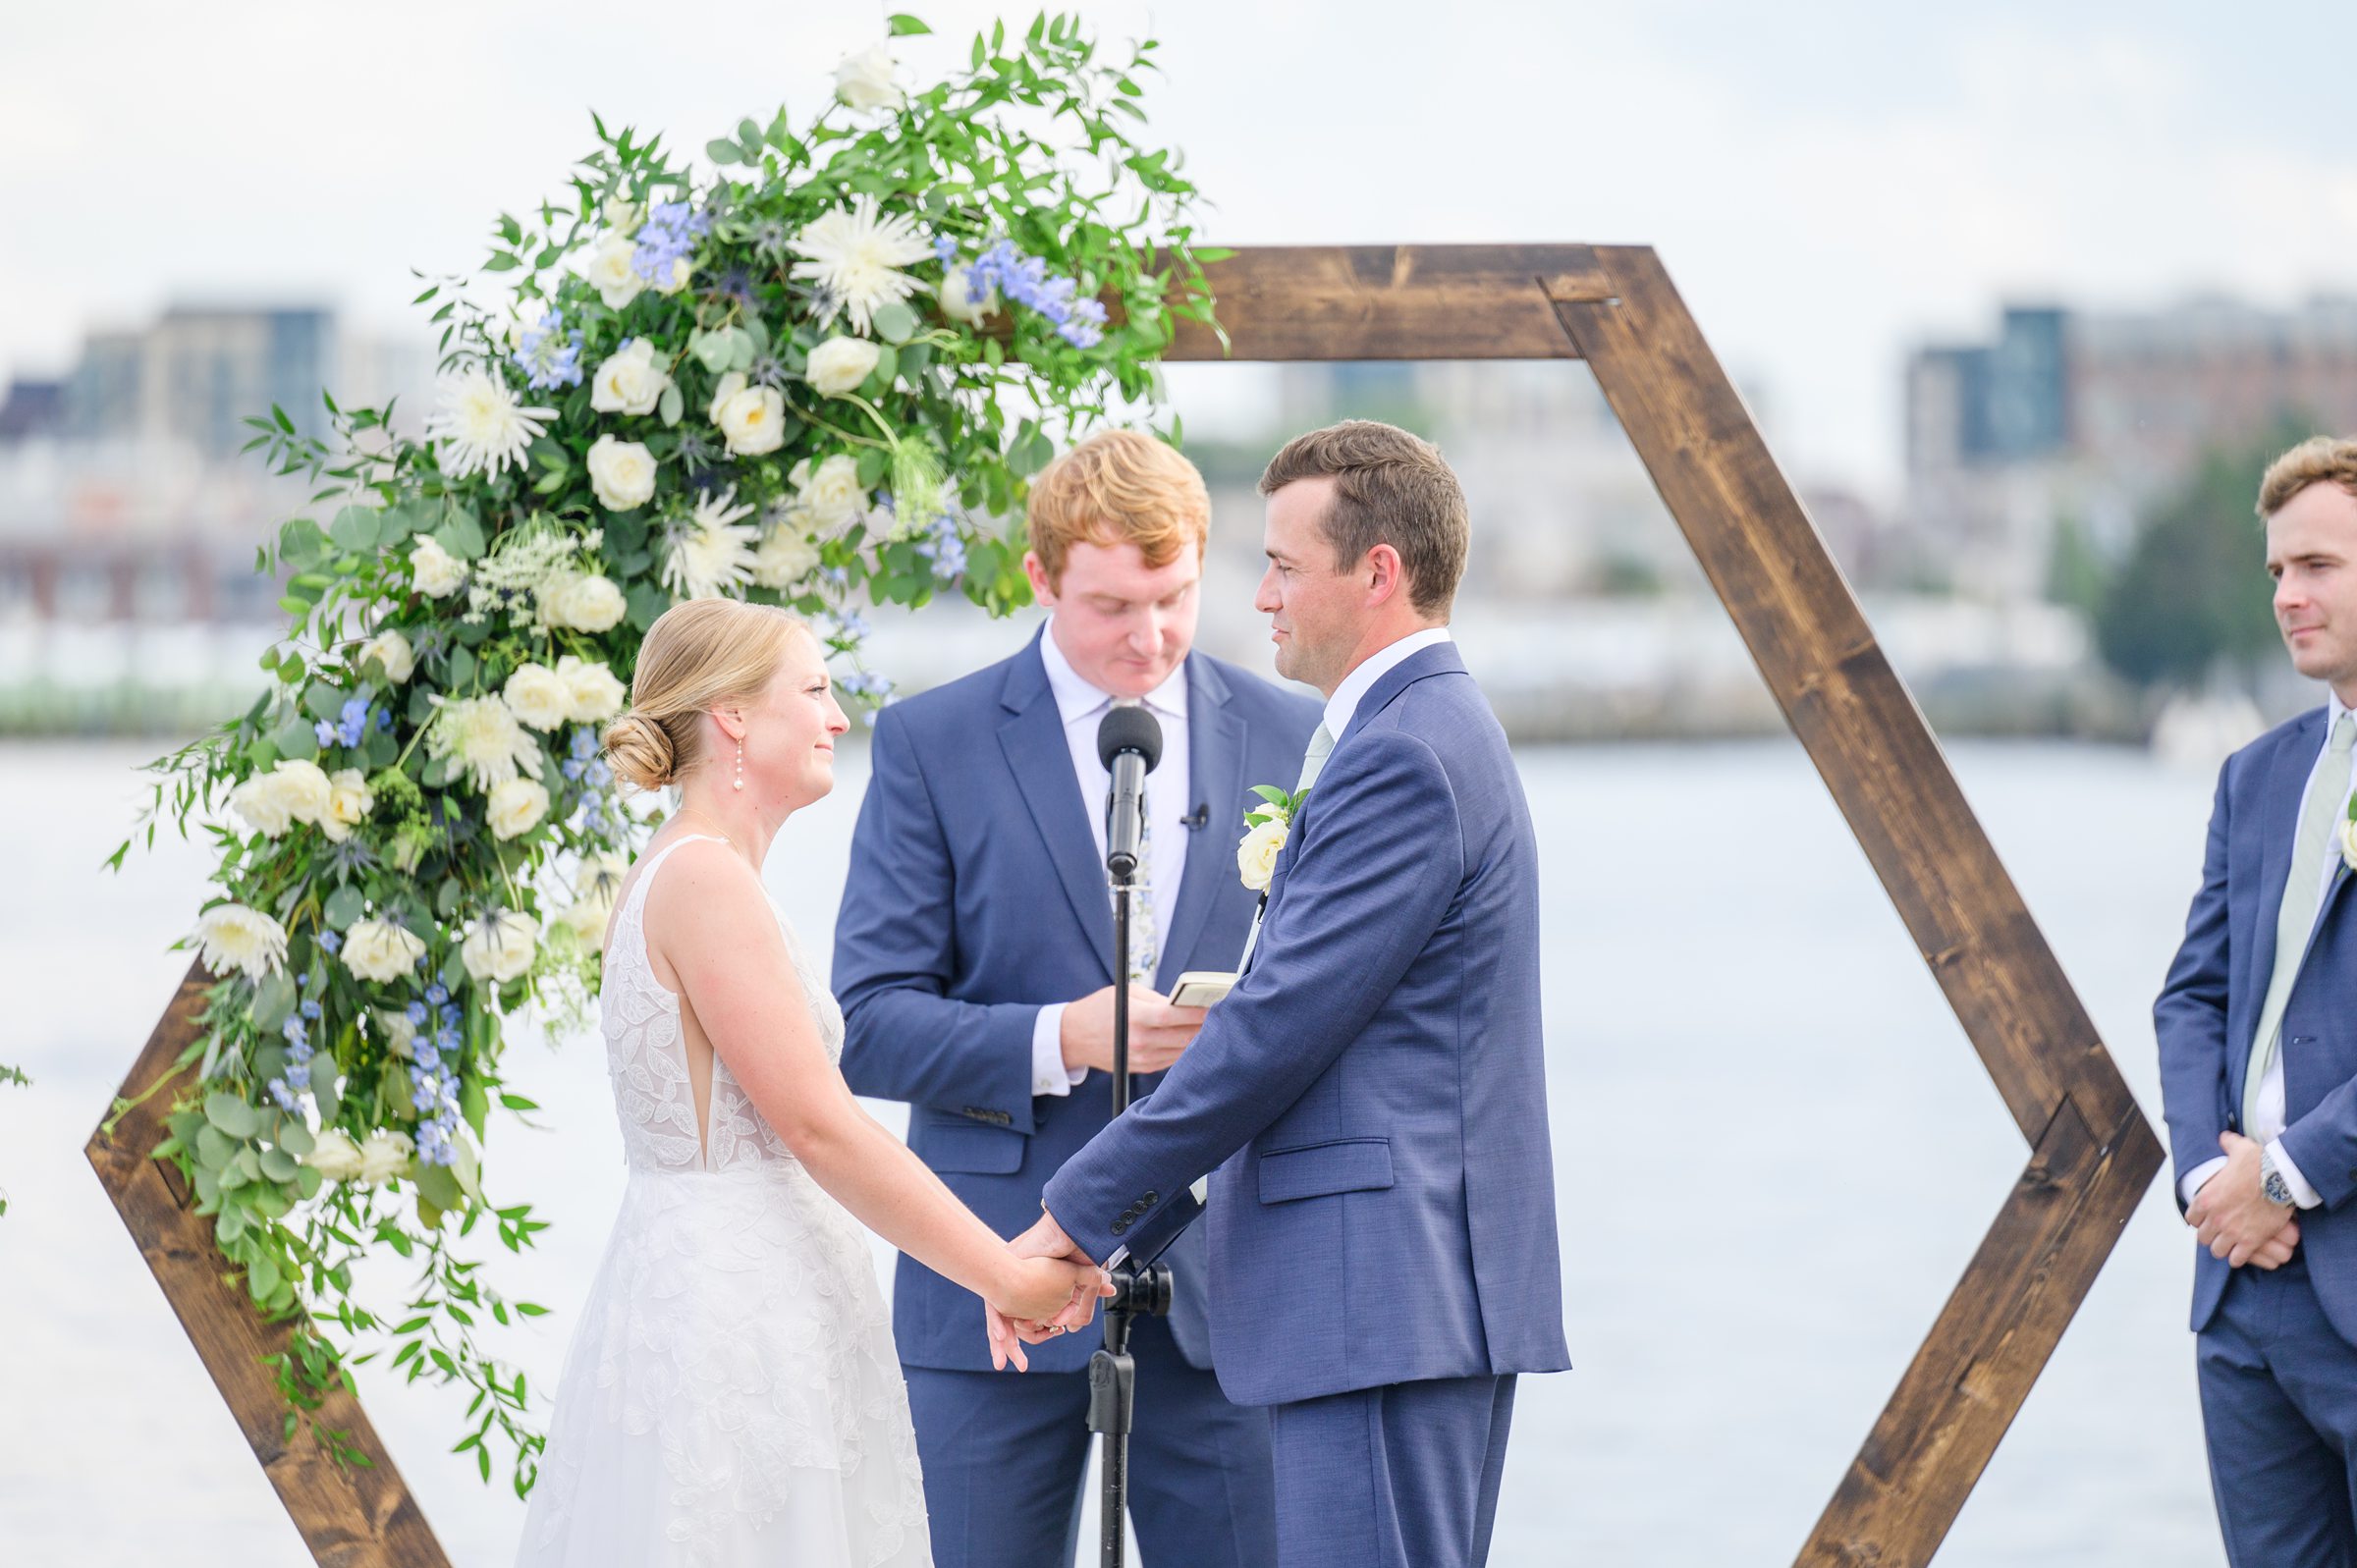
x,y
2328,796
1313,762
1146,938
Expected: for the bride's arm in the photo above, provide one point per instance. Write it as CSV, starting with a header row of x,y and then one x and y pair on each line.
x,y
709,918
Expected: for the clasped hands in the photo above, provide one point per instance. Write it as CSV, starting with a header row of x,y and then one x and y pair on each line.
x,y
1009,1333
2233,1217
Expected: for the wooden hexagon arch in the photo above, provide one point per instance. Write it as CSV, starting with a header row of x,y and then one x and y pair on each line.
x,y
2092,1152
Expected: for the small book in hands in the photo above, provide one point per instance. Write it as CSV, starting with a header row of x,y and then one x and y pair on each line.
x,y
1200,988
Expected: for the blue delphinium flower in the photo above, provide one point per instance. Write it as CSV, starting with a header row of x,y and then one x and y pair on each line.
x,y
547,355
436,994
667,237
352,726
289,1088
327,732
944,548
1025,280
944,247
332,941
415,1012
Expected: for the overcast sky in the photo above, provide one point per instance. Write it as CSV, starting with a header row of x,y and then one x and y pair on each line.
x,y
1829,182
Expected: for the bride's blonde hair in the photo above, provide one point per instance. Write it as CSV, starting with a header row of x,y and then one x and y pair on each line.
x,y
697,656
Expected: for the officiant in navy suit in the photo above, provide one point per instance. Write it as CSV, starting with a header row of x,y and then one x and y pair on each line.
x,y
973,959
2258,1034
1373,1093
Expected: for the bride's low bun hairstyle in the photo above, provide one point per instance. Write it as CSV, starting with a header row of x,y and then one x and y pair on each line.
x,y
697,656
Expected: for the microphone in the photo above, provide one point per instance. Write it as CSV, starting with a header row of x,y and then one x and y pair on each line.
x,y
1200,817
1130,744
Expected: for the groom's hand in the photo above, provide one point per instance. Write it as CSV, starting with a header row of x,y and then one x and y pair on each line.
x,y
2231,1215
1158,1031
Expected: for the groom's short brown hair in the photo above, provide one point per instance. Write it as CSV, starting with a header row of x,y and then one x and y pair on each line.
x,y
1390,487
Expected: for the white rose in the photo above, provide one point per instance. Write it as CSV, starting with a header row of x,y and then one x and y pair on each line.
x,y
832,495
231,936
629,381
864,80
537,696
610,271
621,472
594,691
838,365
334,1156
348,802
751,417
517,808
264,804
1256,855
586,919
2348,841
501,948
392,650
681,271
623,216
586,603
959,304
379,950
785,556
384,1155
436,572
306,789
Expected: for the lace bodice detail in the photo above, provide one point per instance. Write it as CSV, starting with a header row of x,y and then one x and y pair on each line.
x,y
646,1052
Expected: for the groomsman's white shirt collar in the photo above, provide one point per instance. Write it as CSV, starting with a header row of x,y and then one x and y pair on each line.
x,y
2266,1116
1344,704
1081,707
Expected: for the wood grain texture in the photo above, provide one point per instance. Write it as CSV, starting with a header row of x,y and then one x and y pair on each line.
x,y
1928,1447
1391,303
348,1517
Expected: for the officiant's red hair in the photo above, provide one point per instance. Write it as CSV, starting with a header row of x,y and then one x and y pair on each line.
x,y
1119,487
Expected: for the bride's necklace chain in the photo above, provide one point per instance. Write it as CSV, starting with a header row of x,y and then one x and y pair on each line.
x,y
725,835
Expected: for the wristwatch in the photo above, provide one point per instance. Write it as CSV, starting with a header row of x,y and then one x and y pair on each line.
x,y
2271,1182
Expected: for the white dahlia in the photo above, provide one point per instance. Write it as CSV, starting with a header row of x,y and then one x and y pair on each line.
x,y
480,425
231,936
855,254
711,553
482,734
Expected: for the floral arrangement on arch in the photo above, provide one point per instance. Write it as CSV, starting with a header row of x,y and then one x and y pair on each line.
x,y
787,380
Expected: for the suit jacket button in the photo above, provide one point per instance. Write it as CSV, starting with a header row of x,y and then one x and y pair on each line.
x,y
1120,1225
1151,1197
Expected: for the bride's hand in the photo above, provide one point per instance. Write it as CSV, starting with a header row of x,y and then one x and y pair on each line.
x,y
1035,1291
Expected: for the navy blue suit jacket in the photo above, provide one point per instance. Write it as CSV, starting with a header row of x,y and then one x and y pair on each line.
x,y
976,898
2209,1012
1373,1092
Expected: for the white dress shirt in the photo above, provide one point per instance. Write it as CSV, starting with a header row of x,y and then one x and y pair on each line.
x,y
1082,707
2266,1116
1358,682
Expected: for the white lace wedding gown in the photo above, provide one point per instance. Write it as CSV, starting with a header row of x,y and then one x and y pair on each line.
x,y
731,1395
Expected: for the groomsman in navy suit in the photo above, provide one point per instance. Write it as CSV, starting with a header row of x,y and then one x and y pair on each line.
x,y
974,961
1373,1093
2258,1034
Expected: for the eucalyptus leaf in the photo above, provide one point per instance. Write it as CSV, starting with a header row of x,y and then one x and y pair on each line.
x,y
671,406
323,1086
294,1137
896,322
344,906
323,701
356,531
297,741
439,1186
261,1276
461,534
273,999
278,1164
213,1147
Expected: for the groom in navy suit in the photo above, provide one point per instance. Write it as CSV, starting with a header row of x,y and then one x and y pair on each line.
x,y
1373,1093
974,961
2258,1034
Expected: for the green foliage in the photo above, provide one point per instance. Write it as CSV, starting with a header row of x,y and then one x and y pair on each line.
x,y
414,823
2194,591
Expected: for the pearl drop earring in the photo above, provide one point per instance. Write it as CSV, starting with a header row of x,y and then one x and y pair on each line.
x,y
741,764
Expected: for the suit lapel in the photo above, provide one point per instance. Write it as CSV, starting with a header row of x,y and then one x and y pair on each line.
x,y
1215,760
1041,760
2280,821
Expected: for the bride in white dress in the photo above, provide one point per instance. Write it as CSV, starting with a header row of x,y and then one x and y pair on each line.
x,y
731,1395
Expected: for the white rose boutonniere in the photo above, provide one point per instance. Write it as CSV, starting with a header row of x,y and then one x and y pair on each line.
x,y
1266,831
2348,842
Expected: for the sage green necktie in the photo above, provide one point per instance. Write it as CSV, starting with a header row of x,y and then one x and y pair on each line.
x,y
1321,747
2328,796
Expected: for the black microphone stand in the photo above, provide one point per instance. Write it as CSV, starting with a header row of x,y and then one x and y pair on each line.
x,y
1112,1374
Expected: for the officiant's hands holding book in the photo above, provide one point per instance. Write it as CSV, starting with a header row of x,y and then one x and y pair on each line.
x,y
1158,1031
